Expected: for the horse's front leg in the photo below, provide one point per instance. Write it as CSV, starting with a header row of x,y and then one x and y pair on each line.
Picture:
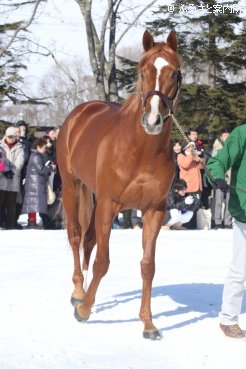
x,y
152,221
103,223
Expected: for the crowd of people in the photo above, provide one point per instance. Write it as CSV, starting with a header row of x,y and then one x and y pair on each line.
x,y
29,177
208,205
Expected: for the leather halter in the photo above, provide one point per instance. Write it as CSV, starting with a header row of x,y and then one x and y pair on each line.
x,y
168,102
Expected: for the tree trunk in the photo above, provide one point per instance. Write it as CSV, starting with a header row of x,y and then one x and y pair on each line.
x,y
102,59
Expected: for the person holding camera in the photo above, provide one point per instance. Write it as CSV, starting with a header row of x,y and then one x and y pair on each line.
x,y
10,177
190,165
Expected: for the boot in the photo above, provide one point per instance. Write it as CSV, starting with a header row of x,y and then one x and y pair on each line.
x,y
166,227
32,225
178,227
232,331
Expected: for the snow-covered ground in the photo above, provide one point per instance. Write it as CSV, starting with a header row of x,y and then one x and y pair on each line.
x,y
38,329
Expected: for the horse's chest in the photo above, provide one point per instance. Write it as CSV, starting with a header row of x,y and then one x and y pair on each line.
x,y
152,186
146,190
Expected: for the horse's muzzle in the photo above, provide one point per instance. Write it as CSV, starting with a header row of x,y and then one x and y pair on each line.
x,y
153,128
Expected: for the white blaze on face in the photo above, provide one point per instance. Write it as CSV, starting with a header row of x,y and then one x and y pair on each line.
x,y
154,102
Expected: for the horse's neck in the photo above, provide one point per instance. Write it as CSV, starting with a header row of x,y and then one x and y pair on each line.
x,y
133,134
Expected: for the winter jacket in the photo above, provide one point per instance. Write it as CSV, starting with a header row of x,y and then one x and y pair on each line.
x,y
175,201
190,171
233,155
27,145
14,162
35,199
217,146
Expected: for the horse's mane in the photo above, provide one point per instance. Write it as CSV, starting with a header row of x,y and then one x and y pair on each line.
x,y
132,102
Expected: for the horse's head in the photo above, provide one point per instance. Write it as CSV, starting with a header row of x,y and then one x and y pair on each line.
x,y
160,75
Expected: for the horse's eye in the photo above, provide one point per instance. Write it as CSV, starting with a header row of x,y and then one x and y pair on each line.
x,y
174,74
142,76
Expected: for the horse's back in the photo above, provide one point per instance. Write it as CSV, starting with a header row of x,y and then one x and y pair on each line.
x,y
88,116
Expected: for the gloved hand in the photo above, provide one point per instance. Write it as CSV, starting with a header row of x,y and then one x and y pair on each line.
x,y
189,200
8,174
220,184
2,166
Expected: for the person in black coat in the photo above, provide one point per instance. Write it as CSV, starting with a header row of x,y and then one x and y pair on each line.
x,y
180,206
35,199
26,142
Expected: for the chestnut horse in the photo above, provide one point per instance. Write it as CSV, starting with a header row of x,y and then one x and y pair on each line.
x,y
113,157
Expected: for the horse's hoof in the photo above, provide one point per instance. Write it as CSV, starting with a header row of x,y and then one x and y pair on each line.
x,y
75,301
80,319
152,335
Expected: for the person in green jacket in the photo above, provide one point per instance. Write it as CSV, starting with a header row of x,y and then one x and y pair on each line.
x,y
233,155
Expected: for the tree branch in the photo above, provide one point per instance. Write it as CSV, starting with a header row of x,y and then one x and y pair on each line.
x,y
21,28
134,21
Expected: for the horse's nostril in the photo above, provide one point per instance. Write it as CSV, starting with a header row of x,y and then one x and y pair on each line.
x,y
158,120
144,119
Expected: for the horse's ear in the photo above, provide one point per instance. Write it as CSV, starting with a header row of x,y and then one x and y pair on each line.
x,y
148,40
172,41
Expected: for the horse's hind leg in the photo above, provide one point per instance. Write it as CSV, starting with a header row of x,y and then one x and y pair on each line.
x,y
103,219
88,244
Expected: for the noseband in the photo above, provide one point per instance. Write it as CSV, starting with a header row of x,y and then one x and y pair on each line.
x,y
168,102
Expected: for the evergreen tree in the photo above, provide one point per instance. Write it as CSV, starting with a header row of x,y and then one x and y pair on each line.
x,y
212,45
127,75
12,45
9,67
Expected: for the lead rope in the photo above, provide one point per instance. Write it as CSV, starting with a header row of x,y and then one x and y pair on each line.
x,y
208,173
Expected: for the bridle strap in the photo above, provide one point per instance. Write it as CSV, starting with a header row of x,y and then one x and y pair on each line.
x,y
165,100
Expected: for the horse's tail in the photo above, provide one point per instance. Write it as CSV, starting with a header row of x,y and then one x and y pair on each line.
x,y
87,222
86,213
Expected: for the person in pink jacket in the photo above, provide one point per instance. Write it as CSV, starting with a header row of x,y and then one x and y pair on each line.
x,y
190,166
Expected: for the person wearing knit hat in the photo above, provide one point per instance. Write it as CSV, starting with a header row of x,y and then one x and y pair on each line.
x,y
23,129
10,131
21,123
10,177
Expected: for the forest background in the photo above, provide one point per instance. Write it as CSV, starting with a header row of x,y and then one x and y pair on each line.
x,y
211,36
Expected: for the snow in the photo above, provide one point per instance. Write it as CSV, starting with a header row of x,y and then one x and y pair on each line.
x,y
38,329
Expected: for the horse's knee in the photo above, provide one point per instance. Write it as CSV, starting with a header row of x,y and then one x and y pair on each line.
x,y
74,235
100,267
147,268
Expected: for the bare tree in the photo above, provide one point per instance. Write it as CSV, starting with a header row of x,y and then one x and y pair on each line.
x,y
103,57
21,25
103,40
64,91
63,87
